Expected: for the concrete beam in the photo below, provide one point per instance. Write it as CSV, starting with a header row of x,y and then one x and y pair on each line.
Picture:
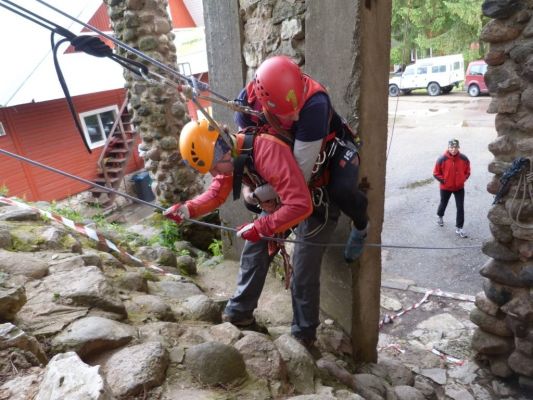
x,y
224,38
374,31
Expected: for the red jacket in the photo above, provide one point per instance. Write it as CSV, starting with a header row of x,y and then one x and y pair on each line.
x,y
274,162
452,171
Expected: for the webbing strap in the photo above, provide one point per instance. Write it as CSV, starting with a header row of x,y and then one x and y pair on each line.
x,y
240,162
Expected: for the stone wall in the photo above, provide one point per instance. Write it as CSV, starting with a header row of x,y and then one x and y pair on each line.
x,y
272,27
504,313
158,111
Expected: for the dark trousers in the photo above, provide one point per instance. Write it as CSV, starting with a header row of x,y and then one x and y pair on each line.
x,y
343,189
459,196
345,196
305,282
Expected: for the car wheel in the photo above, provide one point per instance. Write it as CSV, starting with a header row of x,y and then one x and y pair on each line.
x,y
473,90
433,89
394,90
406,91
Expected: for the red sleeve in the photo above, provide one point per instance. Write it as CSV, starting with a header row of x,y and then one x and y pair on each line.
x,y
275,162
212,198
467,169
437,171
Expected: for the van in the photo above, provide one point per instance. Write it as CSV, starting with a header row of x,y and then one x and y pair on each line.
x,y
437,75
475,78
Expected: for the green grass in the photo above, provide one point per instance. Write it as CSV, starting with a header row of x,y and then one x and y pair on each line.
x,y
4,190
216,247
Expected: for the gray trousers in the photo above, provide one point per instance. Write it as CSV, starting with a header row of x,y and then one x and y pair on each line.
x,y
305,284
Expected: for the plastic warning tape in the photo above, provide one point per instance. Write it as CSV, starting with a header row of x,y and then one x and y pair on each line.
x,y
388,319
447,358
88,232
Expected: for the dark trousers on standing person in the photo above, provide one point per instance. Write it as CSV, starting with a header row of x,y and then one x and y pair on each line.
x,y
459,196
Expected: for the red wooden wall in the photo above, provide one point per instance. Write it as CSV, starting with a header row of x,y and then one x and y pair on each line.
x,y
45,132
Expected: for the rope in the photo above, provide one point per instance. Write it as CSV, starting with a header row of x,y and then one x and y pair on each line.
x,y
398,97
202,223
191,81
525,182
505,180
93,45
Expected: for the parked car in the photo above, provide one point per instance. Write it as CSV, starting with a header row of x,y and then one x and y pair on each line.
x,y
475,78
437,75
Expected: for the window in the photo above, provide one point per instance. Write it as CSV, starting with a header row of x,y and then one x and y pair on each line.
x,y
478,69
2,130
185,69
456,65
438,68
409,71
422,70
97,125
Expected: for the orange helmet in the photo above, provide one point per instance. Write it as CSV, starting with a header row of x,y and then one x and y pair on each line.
x,y
279,86
197,144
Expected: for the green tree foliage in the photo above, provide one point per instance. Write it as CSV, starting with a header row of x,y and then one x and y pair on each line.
x,y
436,27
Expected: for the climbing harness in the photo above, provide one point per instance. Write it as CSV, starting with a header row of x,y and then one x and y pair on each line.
x,y
505,180
525,185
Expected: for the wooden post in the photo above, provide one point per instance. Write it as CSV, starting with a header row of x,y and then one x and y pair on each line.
x,y
375,31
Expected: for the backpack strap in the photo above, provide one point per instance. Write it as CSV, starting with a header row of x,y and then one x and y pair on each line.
x,y
239,162
281,132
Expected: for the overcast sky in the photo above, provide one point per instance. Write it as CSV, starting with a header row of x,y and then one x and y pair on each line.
x,y
24,44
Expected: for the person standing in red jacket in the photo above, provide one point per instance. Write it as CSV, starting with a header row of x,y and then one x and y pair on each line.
x,y
452,169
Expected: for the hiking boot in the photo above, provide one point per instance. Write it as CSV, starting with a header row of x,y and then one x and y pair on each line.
x,y
461,233
239,323
440,222
354,245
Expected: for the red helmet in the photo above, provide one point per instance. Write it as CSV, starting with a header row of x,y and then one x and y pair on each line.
x,y
279,86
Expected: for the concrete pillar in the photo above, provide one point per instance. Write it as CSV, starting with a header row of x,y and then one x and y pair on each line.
x,y
226,76
375,33
353,63
332,57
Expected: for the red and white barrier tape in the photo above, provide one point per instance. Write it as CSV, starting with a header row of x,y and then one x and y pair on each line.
x,y
388,319
393,346
447,358
90,233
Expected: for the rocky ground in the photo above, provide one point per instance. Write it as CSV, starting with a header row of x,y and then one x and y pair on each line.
x,y
79,322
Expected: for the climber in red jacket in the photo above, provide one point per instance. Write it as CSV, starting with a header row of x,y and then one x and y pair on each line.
x,y
452,169
267,160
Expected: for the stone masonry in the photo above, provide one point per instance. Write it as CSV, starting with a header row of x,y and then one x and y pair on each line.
x,y
271,28
504,313
158,111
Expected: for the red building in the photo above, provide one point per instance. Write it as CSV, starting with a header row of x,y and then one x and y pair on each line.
x,y
41,128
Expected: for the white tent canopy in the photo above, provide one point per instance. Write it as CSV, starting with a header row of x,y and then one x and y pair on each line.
x,y
27,70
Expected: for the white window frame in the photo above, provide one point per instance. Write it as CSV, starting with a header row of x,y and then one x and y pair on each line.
x,y
90,113
2,130
184,68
